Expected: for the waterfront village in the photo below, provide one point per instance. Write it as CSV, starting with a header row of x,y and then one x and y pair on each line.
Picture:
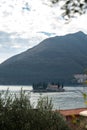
x,y
81,78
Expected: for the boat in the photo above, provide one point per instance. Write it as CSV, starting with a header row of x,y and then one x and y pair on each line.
x,y
43,87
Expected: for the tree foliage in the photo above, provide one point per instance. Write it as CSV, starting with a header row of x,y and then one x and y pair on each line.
x,y
18,113
72,7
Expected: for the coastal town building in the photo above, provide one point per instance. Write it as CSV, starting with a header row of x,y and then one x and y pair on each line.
x,y
81,78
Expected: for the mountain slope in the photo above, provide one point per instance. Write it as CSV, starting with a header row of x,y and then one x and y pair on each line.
x,y
54,59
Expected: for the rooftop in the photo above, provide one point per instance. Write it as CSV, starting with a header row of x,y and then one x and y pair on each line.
x,y
72,111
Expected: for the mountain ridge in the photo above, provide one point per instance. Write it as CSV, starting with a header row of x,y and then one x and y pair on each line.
x,y
55,59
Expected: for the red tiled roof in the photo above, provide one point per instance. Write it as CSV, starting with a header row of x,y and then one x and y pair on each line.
x,y
72,111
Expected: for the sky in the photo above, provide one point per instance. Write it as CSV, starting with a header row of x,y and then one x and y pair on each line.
x,y
25,23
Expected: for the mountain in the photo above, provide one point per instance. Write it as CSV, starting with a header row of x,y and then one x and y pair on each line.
x,y
55,59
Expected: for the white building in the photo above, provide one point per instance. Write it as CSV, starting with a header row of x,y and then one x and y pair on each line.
x,y
81,78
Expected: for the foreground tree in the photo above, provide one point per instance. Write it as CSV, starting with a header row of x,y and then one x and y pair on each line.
x,y
18,113
72,7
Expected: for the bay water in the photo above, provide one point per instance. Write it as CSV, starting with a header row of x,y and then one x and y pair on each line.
x,y
70,99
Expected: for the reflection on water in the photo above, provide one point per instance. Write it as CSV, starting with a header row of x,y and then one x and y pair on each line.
x,y
71,98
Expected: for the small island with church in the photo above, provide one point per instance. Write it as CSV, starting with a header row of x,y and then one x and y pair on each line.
x,y
50,87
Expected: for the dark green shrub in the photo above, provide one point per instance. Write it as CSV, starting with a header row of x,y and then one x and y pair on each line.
x,y
18,113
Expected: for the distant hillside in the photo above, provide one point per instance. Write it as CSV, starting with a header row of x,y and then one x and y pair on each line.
x,y
54,59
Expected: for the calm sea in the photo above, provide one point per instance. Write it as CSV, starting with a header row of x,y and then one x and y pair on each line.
x,y
71,98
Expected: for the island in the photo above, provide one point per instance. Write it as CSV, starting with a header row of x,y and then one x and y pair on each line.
x,y
48,87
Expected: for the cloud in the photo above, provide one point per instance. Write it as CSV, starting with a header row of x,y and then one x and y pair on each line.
x,y
11,44
31,17
9,40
